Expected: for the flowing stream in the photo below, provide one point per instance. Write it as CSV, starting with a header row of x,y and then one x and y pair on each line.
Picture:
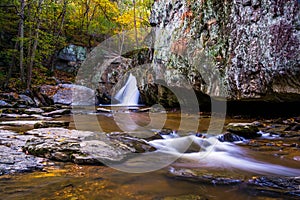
x,y
180,149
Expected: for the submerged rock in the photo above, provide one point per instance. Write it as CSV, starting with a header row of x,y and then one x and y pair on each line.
x,y
202,176
275,185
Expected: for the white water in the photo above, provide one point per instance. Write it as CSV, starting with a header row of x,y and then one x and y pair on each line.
x,y
129,93
215,154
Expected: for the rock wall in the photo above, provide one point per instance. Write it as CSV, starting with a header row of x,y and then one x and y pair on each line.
x,y
238,49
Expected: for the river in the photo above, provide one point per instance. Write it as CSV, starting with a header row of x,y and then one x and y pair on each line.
x,y
148,176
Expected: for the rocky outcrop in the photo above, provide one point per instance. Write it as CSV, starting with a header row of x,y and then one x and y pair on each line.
x,y
69,58
83,147
236,49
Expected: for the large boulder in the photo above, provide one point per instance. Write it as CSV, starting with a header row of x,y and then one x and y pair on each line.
x,y
236,49
70,58
69,94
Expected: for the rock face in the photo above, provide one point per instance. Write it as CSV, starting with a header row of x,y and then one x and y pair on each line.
x,y
236,49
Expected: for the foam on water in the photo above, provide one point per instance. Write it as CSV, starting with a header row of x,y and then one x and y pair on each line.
x,y
215,154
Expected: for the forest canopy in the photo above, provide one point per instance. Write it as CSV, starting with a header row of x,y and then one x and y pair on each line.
x,y
33,31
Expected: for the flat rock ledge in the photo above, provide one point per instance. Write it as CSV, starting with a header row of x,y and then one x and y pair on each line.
x,y
12,158
83,147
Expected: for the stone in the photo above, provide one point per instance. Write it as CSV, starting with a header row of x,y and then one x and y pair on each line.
x,y
69,94
57,112
72,53
241,50
230,137
27,100
47,124
12,160
275,185
83,147
16,116
246,130
202,176
4,104
31,111
19,123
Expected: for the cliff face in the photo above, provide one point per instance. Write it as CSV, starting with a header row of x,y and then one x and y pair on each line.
x,y
238,49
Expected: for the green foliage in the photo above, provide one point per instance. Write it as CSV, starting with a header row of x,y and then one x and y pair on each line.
x,y
59,23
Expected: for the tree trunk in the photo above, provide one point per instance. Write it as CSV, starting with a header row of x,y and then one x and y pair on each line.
x,y
22,41
134,21
35,44
12,65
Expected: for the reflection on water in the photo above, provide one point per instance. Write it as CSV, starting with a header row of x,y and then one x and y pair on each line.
x,y
69,181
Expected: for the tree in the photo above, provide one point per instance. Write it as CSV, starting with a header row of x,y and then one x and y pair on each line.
x,y
35,44
22,2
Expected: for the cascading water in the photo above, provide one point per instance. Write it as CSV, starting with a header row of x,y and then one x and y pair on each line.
x,y
129,93
215,154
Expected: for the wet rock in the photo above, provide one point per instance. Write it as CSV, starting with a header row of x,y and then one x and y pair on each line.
x,y
13,110
275,185
82,147
4,104
246,130
16,116
202,176
19,123
47,124
12,159
57,112
230,137
31,111
48,109
26,100
295,127
40,117
139,145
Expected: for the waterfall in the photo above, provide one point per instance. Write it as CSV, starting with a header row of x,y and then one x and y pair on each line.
x,y
129,93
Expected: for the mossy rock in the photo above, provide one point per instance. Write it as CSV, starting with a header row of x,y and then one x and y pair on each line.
x,y
246,130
